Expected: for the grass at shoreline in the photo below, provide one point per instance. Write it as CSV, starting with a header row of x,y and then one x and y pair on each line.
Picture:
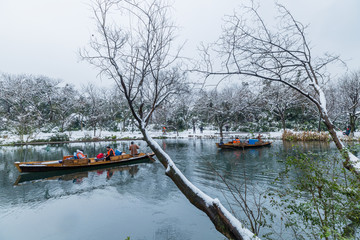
x,y
306,136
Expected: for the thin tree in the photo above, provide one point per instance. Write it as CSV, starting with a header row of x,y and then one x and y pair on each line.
x,y
142,61
280,100
349,95
23,100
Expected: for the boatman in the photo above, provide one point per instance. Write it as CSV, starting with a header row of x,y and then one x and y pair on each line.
x,y
133,149
80,154
110,152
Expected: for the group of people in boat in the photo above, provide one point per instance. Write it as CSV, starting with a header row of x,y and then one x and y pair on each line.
x,y
79,154
238,141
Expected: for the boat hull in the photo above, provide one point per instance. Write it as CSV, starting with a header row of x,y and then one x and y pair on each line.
x,y
84,164
73,174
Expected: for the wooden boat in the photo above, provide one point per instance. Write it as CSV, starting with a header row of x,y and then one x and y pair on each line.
x,y
68,163
242,145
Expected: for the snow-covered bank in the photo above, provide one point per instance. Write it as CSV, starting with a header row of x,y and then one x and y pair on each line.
x,y
9,138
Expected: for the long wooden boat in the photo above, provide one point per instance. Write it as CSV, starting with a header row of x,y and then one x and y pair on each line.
x,y
67,163
242,145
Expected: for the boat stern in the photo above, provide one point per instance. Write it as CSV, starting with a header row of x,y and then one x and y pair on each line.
x,y
17,166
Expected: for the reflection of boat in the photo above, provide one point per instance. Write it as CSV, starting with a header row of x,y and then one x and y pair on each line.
x,y
76,177
242,145
68,164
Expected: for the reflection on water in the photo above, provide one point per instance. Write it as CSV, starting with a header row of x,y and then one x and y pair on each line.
x,y
136,200
75,177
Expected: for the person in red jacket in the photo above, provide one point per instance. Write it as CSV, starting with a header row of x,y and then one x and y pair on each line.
x,y
110,152
80,154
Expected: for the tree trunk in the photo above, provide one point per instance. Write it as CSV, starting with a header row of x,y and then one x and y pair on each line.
x,y
223,221
221,132
94,129
352,124
347,164
81,123
62,126
124,124
283,123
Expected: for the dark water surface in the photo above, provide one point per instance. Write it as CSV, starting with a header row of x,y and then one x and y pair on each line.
x,y
137,200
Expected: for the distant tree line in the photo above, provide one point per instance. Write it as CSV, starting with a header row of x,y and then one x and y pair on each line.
x,y
267,107
29,104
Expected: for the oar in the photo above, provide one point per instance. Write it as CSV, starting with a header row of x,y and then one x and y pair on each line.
x,y
153,160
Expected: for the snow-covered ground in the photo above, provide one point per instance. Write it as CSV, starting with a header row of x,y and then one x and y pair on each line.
x,y
8,138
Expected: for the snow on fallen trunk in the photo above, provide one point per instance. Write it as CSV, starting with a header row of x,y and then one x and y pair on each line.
x,y
354,161
174,173
322,99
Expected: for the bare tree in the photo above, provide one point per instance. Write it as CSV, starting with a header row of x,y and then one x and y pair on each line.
x,y
176,113
95,104
223,107
333,104
64,105
141,60
249,47
23,98
280,100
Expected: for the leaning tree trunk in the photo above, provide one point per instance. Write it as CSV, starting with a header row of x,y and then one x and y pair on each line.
x,y
351,162
222,219
319,124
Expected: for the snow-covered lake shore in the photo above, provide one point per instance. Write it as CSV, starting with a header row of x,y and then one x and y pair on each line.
x,y
10,138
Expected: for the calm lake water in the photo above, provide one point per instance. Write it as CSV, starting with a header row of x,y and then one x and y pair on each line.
x,y
137,200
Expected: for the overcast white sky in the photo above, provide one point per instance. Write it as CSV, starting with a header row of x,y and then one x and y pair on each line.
x,y
42,37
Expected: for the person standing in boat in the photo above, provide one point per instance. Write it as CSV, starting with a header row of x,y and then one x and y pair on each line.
x,y
133,149
259,138
80,154
110,152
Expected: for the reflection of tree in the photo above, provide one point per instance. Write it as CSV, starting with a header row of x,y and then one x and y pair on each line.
x,y
305,146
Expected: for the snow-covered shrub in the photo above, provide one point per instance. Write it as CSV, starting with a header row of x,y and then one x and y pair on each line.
x,y
59,137
306,136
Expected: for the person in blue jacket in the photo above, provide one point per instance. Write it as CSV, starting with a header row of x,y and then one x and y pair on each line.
x,y
348,130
